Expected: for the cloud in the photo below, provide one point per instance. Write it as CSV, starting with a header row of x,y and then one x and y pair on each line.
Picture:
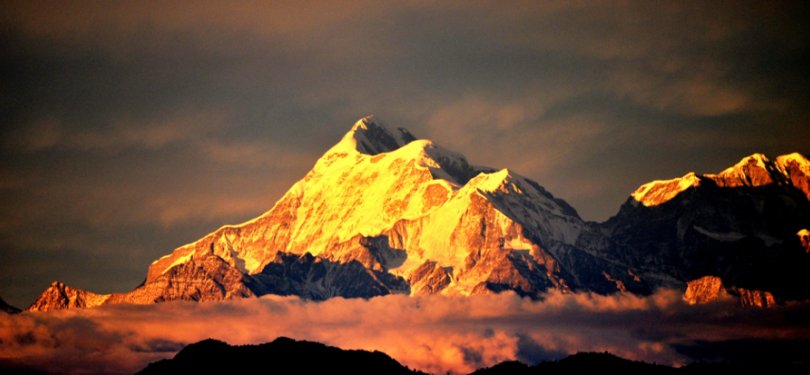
x,y
435,334
48,133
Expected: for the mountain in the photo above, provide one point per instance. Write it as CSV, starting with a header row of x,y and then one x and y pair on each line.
x,y
383,212
392,214
59,296
283,354
580,363
743,229
6,308
212,356
609,363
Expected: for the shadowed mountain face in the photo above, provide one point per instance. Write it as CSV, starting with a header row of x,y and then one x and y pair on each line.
x,y
742,228
211,356
747,236
6,308
382,212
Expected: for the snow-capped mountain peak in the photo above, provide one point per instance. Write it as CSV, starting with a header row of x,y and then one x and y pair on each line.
x,y
371,136
754,170
797,158
389,214
793,164
384,212
660,191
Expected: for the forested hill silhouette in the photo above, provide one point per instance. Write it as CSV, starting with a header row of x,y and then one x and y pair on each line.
x,y
213,356
573,364
608,363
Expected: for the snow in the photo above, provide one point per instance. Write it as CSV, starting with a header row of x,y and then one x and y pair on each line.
x,y
735,236
179,261
783,161
518,243
740,169
725,237
162,258
490,182
358,138
660,191
418,192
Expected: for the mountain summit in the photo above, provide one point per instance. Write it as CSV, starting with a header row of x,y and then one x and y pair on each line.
x,y
384,212
372,137
755,170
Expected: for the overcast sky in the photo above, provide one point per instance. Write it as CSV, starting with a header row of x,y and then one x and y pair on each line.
x,y
130,128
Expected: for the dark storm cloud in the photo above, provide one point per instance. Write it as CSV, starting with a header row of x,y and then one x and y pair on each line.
x,y
435,334
131,128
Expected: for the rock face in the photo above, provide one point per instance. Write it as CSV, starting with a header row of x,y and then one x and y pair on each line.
x,y
60,296
205,278
382,212
709,289
704,290
6,308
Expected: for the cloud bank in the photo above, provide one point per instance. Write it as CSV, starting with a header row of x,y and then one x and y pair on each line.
x,y
434,334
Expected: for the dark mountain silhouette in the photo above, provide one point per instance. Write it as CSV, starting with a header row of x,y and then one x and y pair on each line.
x,y
212,356
745,235
584,363
5,307
12,367
579,363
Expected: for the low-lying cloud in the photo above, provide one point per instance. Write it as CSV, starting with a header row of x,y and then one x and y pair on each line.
x,y
434,334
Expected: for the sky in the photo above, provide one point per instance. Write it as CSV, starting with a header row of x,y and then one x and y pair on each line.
x,y
435,334
130,128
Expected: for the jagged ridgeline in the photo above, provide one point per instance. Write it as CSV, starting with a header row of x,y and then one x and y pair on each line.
x,y
383,212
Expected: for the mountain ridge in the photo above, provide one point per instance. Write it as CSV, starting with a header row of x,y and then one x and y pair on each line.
x,y
752,171
383,212
213,356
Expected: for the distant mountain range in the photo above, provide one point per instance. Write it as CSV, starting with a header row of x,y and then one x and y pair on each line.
x,y
212,356
383,212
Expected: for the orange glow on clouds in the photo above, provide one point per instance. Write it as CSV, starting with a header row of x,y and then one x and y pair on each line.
x,y
434,334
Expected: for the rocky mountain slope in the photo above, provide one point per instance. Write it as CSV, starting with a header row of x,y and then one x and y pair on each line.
x,y
743,226
382,212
